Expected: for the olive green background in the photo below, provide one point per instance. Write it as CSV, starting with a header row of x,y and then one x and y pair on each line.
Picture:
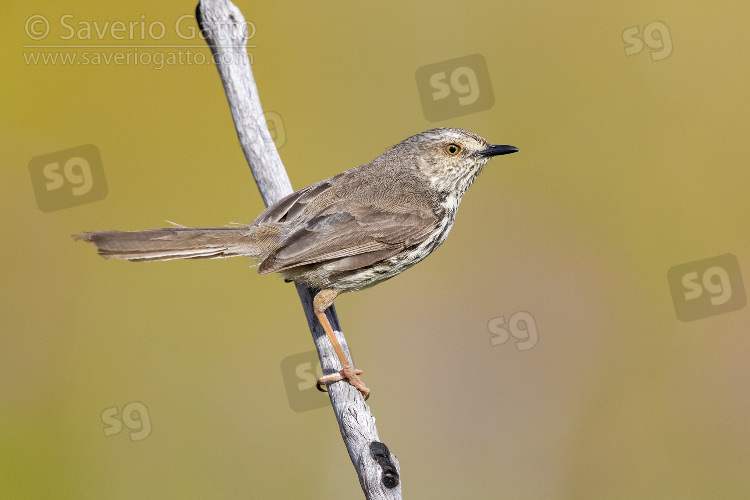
x,y
628,167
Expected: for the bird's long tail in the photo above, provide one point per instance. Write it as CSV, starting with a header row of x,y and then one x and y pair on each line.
x,y
174,243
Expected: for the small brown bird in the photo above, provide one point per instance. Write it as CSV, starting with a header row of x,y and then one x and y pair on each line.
x,y
349,232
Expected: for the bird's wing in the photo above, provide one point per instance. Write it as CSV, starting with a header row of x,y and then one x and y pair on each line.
x,y
351,235
291,206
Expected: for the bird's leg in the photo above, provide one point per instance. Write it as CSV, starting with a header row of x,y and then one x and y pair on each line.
x,y
323,301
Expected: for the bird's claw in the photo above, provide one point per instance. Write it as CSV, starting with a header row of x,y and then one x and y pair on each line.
x,y
349,374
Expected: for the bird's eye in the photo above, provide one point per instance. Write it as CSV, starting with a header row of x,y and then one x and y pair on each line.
x,y
452,149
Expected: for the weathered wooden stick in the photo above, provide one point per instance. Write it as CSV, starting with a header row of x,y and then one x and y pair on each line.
x,y
224,28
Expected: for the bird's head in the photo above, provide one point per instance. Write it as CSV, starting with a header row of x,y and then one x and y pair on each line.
x,y
448,158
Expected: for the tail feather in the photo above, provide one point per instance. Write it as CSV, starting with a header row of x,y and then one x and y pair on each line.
x,y
173,243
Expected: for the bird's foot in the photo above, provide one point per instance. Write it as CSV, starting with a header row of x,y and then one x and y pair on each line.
x,y
351,375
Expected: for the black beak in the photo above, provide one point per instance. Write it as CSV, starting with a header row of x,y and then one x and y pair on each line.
x,y
495,150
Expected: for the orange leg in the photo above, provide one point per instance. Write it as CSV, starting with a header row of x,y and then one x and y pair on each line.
x,y
323,300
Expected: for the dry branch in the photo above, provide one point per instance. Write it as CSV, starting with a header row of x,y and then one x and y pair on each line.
x,y
224,28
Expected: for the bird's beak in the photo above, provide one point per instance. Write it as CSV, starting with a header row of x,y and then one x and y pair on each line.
x,y
495,150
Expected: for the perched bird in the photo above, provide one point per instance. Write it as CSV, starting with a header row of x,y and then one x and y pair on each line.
x,y
349,232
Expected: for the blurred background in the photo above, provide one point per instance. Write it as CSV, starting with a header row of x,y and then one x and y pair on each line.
x,y
581,334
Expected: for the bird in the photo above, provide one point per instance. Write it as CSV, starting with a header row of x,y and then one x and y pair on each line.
x,y
346,233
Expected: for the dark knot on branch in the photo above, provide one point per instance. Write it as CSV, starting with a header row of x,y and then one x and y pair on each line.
x,y
382,455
